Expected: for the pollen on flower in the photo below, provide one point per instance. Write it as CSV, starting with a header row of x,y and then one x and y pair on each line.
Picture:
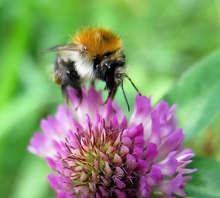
x,y
93,158
94,151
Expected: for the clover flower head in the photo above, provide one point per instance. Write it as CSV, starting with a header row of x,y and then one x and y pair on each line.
x,y
94,150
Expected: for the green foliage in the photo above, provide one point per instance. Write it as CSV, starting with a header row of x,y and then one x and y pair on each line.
x,y
197,95
34,170
205,182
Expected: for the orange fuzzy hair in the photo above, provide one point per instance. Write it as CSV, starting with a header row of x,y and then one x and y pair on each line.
x,y
97,41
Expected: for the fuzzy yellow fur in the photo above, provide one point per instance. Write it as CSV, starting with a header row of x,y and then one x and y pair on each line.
x,y
97,41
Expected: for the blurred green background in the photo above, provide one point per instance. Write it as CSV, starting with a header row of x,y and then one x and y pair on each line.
x,y
167,45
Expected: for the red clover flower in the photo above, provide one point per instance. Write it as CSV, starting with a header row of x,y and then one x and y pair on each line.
x,y
95,151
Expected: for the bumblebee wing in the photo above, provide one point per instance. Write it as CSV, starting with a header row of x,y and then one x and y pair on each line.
x,y
65,47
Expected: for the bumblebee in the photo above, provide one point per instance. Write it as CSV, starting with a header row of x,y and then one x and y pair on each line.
x,y
93,53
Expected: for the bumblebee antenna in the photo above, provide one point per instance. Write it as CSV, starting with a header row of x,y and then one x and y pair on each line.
x,y
132,83
125,97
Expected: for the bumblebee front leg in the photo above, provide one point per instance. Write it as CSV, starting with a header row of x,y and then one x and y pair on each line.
x,y
110,85
111,94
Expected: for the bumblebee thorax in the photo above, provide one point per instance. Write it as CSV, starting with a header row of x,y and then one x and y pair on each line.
x,y
97,41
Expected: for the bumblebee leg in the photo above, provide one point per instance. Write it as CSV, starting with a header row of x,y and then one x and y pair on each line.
x,y
75,84
110,85
78,94
64,93
66,75
111,94
93,83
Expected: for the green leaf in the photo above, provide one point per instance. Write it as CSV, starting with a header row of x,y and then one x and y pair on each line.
x,y
197,95
205,182
29,104
32,179
14,53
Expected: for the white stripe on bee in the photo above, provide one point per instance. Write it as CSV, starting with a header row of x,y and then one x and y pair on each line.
x,y
83,65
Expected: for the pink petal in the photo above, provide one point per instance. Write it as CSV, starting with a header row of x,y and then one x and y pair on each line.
x,y
141,110
171,143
